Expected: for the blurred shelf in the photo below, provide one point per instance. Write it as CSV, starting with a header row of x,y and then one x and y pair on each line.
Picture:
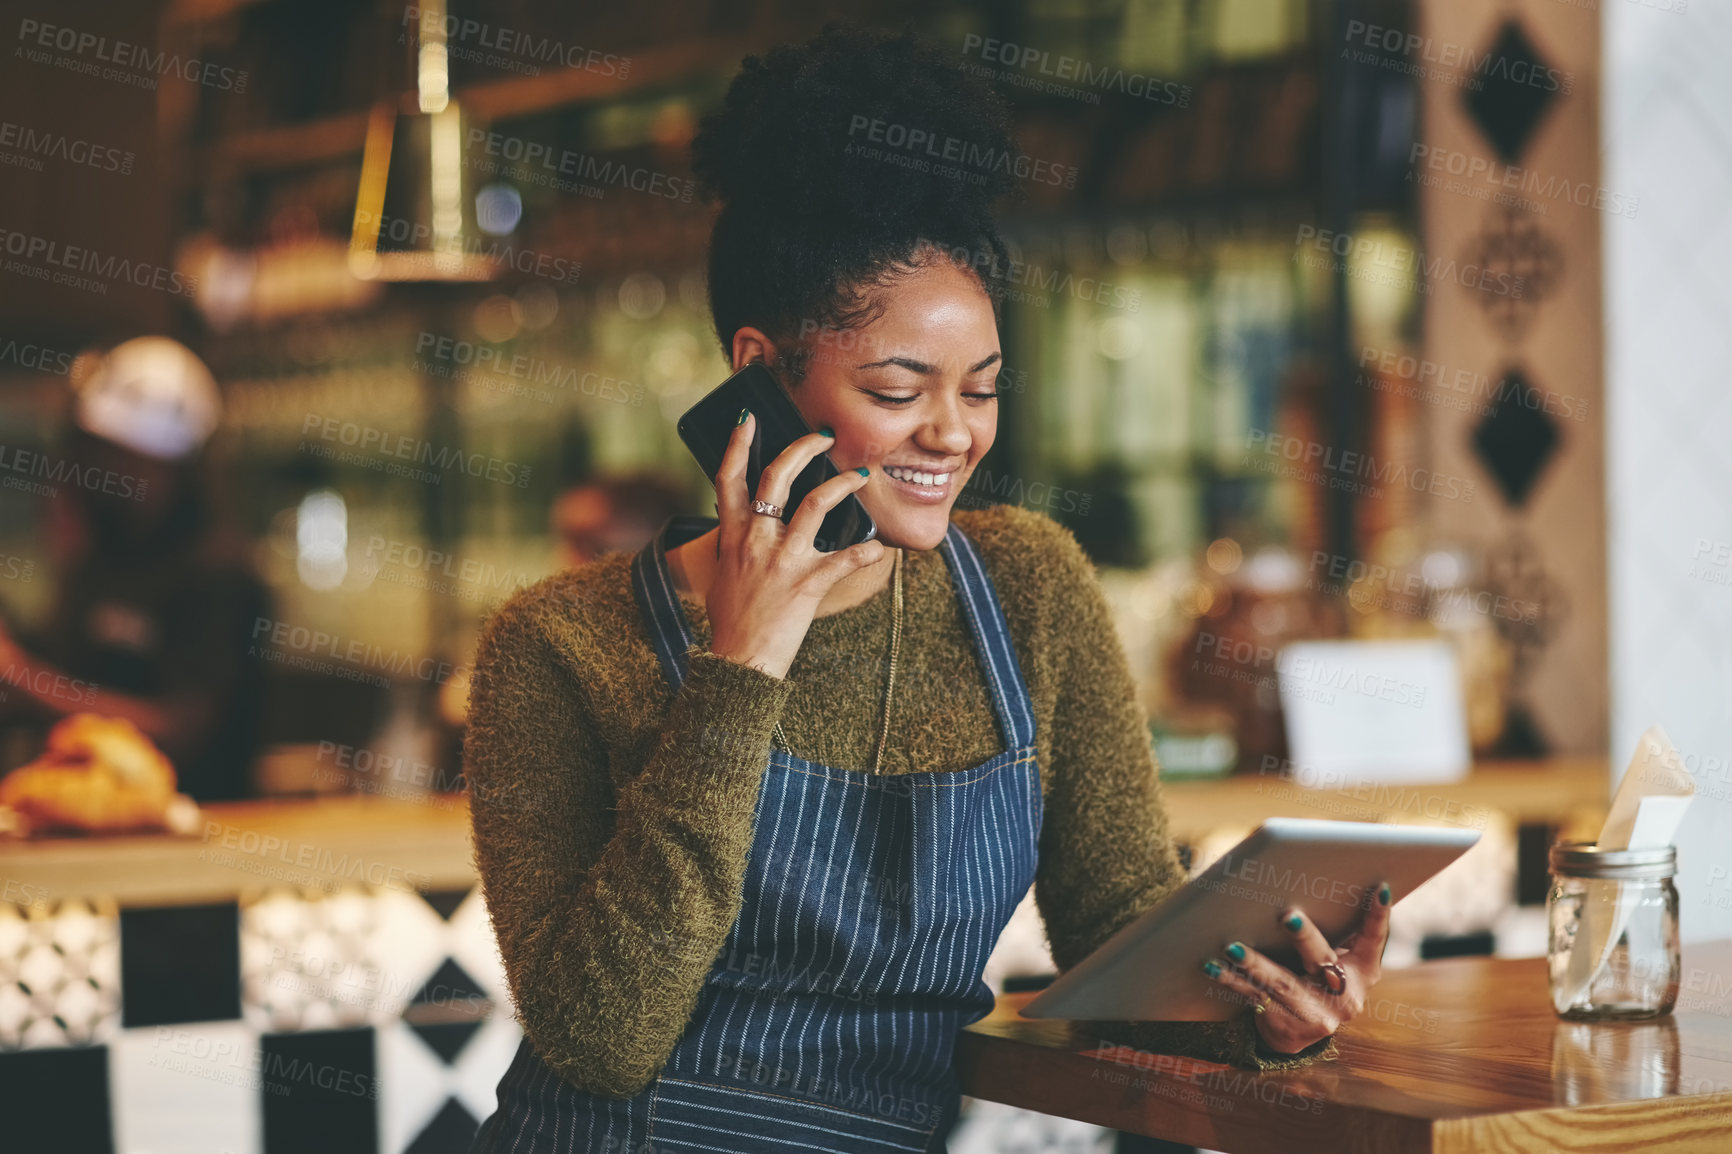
x,y
1556,790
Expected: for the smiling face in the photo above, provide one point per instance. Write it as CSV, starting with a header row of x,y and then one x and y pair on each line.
x,y
912,396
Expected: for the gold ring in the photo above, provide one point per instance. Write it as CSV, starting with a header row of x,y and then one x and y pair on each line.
x,y
1260,1007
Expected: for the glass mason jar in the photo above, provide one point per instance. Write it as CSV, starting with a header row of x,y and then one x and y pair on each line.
x,y
1613,948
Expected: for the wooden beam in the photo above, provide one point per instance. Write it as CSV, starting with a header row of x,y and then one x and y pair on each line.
x,y
338,137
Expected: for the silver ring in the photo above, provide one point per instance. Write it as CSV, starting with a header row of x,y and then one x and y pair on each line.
x,y
767,509
1334,978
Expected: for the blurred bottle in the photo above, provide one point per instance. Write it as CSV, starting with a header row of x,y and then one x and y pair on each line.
x,y
1414,592
1245,610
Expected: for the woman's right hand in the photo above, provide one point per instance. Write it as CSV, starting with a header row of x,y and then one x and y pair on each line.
x,y
770,577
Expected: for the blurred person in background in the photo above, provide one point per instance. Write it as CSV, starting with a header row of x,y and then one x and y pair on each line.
x,y
602,514
153,615
609,513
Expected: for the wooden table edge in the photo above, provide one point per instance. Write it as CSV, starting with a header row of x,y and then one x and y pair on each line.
x,y
1640,1124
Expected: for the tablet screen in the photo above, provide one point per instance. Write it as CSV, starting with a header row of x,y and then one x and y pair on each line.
x,y
1151,970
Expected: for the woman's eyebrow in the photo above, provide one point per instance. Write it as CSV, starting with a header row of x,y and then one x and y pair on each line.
x,y
922,367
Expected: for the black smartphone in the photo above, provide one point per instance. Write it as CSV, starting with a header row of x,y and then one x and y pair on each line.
x,y
707,425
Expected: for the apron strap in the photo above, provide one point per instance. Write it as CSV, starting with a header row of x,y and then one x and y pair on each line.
x,y
991,639
652,584
671,635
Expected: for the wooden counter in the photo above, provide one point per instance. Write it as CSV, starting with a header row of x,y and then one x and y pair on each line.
x,y
1451,1057
1558,790
424,844
317,844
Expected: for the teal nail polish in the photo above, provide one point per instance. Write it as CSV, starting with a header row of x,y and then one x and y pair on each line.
x,y
827,431
1383,894
1293,923
744,413
1236,951
863,470
1212,968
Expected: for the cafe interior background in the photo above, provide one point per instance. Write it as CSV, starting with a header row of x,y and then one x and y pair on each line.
x,y
1326,335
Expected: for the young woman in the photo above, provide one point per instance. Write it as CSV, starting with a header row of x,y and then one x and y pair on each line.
x,y
750,816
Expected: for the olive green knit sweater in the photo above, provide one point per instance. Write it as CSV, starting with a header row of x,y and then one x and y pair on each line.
x,y
612,819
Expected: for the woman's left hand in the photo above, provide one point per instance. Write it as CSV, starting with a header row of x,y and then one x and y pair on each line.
x,y
1302,1010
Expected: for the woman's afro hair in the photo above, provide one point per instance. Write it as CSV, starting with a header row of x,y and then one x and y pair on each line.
x,y
826,158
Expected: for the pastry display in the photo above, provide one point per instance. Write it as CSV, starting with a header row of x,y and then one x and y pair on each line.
x,y
96,774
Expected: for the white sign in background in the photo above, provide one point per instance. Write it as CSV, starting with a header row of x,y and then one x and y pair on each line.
x,y
1374,711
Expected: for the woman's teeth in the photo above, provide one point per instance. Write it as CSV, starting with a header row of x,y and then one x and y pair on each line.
x,y
931,480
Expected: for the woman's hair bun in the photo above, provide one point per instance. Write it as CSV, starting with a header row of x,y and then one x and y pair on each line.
x,y
856,127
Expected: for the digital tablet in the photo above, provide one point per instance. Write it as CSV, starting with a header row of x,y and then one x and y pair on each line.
x,y
1152,969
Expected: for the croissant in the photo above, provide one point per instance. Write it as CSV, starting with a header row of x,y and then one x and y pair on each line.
x,y
96,773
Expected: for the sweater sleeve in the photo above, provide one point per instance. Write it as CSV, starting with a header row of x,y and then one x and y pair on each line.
x,y
609,906
1105,853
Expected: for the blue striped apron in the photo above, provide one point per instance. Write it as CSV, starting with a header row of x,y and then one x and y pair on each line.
x,y
871,902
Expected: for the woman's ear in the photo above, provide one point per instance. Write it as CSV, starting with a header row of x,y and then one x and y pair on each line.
x,y
752,344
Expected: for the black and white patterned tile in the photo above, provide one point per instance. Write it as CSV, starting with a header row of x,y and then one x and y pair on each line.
x,y
363,1020
59,974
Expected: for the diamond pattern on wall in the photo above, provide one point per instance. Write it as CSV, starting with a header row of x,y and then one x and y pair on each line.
x,y
1515,570
1520,264
1516,439
1515,86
